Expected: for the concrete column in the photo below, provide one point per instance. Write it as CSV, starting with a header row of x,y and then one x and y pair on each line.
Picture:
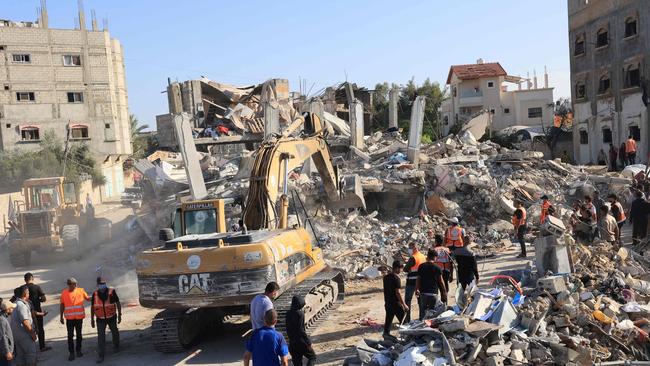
x,y
271,119
190,156
415,130
393,97
356,124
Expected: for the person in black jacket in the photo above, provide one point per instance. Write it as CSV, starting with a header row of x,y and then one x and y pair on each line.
x,y
467,268
639,217
299,342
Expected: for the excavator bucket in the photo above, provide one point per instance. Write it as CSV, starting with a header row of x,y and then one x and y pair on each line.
x,y
351,195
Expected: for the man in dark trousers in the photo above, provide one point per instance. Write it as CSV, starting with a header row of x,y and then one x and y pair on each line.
x,y
429,283
106,307
36,296
393,302
411,269
299,342
467,267
639,217
519,223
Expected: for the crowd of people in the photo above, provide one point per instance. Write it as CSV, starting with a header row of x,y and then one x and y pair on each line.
x,y
22,332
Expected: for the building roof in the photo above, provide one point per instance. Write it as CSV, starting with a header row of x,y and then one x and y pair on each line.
x,y
476,71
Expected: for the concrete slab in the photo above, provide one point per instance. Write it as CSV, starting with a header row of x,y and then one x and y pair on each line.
x,y
415,130
190,156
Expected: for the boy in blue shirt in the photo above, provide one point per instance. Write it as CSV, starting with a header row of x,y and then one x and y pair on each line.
x,y
266,346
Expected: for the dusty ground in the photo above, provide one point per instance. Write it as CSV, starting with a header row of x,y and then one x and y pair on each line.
x,y
333,340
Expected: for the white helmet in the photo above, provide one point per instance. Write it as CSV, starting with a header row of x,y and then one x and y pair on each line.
x,y
454,220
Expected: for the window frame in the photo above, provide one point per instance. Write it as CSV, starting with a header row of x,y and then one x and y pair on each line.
x,y
582,84
30,129
74,99
72,58
506,110
626,79
491,82
541,112
609,134
635,136
81,128
604,77
579,39
599,32
582,132
636,27
31,97
23,61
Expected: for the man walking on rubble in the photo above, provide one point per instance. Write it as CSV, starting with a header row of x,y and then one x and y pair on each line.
x,y
617,211
639,210
411,268
444,260
607,226
454,235
106,307
36,296
263,303
467,266
630,150
72,309
393,303
546,204
519,222
299,342
429,283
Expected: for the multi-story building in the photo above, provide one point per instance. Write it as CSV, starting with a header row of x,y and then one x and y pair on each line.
x,y
483,86
67,81
610,58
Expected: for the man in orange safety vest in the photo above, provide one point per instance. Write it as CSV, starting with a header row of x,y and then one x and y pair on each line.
x,y
519,222
411,269
108,310
454,235
72,309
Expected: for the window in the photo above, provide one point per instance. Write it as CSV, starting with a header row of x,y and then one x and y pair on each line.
x,y
632,76
79,132
75,97
29,133
581,90
603,84
492,111
607,135
455,91
584,137
635,132
7,87
25,96
506,110
579,48
21,58
602,38
446,120
71,60
630,27
490,84
535,112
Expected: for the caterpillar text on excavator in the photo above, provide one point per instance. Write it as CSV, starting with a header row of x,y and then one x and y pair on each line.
x,y
202,273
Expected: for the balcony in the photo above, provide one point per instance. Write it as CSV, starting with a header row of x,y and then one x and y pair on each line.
x,y
471,98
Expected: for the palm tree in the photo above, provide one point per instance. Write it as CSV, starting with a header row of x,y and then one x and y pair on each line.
x,y
139,145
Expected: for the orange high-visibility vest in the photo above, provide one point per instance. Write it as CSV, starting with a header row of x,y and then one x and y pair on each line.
x,y
454,236
517,222
443,258
104,310
545,206
419,258
630,146
621,216
73,303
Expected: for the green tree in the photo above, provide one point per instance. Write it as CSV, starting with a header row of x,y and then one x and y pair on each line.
x,y
142,145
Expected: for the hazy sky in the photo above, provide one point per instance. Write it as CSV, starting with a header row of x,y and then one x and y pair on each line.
x,y
370,41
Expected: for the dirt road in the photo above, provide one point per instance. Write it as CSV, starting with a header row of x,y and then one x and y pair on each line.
x,y
333,340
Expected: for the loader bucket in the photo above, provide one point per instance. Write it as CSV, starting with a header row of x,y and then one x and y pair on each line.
x,y
352,195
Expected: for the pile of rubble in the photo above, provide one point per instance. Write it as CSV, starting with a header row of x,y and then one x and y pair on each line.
x,y
597,313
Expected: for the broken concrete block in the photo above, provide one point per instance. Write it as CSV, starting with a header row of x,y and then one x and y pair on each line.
x,y
474,353
518,355
495,361
455,325
359,153
591,303
586,296
499,349
552,284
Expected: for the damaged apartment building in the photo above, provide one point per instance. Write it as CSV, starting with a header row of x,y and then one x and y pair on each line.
x,y
610,59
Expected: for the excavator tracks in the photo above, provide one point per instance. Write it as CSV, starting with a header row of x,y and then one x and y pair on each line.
x,y
322,293
174,331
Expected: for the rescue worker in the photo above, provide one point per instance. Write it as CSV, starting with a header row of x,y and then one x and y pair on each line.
x,y
106,307
519,222
630,150
617,210
590,206
72,309
454,235
444,261
411,268
546,204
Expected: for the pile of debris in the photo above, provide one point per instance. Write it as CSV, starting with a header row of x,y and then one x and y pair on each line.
x,y
598,313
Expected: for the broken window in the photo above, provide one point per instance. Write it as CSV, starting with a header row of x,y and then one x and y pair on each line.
x,y
579,48
506,110
535,112
584,137
71,60
602,38
630,27
607,135
75,97
492,111
635,132
79,132
29,134
603,84
632,76
25,96
581,90
21,58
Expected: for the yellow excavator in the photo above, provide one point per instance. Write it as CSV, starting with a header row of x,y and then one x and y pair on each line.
x,y
202,273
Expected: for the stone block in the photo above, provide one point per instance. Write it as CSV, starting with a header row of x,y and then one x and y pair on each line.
x,y
495,361
552,284
455,325
499,349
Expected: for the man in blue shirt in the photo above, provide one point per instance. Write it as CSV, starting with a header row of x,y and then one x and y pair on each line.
x,y
267,346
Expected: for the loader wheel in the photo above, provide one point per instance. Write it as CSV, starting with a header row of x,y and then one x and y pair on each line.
x,y
70,238
18,256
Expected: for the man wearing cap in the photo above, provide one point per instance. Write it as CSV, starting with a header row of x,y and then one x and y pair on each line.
x,y
6,335
24,330
105,305
454,236
72,309
393,302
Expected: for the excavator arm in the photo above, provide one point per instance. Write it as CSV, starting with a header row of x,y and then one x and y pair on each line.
x,y
274,160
